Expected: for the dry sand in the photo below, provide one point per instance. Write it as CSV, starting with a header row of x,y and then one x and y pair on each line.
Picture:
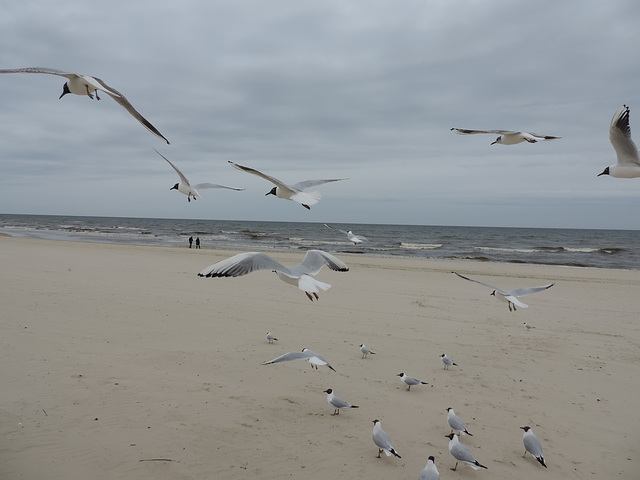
x,y
119,362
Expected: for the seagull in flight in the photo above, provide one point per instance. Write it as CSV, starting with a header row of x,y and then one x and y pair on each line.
x,y
628,165
191,190
89,86
295,192
509,296
299,275
356,239
313,358
507,137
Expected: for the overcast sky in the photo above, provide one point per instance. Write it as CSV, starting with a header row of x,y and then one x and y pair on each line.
x,y
323,89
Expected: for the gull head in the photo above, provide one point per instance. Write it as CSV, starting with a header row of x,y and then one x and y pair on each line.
x,y
605,172
328,390
175,187
526,429
450,436
271,192
65,90
498,140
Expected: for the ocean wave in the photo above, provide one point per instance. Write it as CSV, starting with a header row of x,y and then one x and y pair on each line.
x,y
420,246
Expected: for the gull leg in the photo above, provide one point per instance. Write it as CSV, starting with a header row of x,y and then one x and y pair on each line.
x,y
379,452
309,296
89,93
316,295
454,468
306,206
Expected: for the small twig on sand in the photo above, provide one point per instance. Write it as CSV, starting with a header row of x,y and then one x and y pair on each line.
x,y
45,412
157,460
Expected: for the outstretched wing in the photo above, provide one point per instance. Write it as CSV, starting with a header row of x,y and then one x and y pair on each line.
x,y
243,264
287,357
620,137
314,260
183,179
314,183
464,131
520,292
48,71
269,178
482,283
201,186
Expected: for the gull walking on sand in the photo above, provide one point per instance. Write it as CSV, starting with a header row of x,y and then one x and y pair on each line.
x,y
295,192
337,403
313,358
298,275
532,445
365,351
456,423
186,188
462,453
89,86
271,337
628,164
383,441
509,296
447,361
410,381
356,239
507,137
430,472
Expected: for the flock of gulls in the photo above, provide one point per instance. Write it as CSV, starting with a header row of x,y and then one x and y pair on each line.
x,y
302,275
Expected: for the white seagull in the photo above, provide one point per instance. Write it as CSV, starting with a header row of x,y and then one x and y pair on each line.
x,y
507,137
382,440
271,337
532,445
456,423
337,403
628,165
365,351
356,239
510,296
409,381
295,192
529,327
191,190
447,361
313,358
462,453
299,275
430,472
85,85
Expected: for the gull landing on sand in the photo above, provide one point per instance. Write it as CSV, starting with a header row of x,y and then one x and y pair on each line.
x,y
299,275
628,165
186,188
89,86
295,192
507,137
313,358
509,296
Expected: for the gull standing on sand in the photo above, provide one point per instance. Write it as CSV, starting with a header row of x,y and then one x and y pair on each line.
x,y
191,190
509,296
271,337
299,275
430,472
507,137
532,445
456,423
85,85
462,453
314,359
337,402
447,361
529,327
409,381
382,440
356,239
628,165
295,192
365,351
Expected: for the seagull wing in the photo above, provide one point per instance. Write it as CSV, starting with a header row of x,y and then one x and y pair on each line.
x,y
620,137
334,228
313,183
382,440
243,264
201,186
314,260
49,71
520,292
464,131
287,357
532,445
504,292
183,179
269,178
539,137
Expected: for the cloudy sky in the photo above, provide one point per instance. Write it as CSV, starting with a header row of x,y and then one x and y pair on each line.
x,y
323,89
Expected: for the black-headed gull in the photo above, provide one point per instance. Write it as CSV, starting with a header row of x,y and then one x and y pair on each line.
x,y
295,192
507,137
313,358
271,337
365,351
383,441
430,472
532,445
410,381
462,453
299,275
447,361
86,85
337,403
628,165
356,239
510,296
456,423
192,190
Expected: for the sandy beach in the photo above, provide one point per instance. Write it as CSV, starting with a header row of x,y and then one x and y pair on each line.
x,y
118,361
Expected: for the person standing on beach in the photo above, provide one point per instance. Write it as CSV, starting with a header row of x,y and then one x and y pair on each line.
x,y
198,242
190,241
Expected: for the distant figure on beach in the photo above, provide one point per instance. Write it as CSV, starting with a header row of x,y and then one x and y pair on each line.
x,y
198,242
190,241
